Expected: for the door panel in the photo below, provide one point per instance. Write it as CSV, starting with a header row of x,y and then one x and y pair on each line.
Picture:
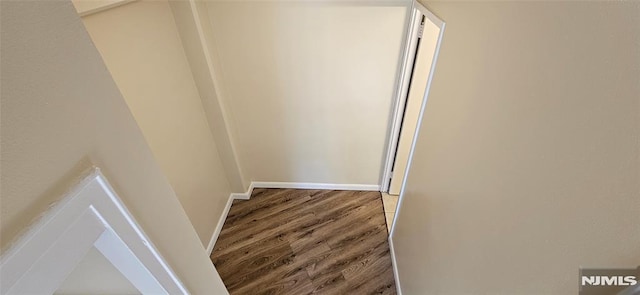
x,y
424,59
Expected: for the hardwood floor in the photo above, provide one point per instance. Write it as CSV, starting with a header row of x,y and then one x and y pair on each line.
x,y
288,241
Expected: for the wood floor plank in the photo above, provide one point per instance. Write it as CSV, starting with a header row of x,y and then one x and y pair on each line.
x,y
298,283
289,241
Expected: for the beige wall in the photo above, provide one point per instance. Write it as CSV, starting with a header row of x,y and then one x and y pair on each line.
x,y
308,87
189,16
140,45
86,7
61,113
527,165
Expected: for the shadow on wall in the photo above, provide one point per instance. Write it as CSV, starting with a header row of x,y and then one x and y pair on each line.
x,y
310,87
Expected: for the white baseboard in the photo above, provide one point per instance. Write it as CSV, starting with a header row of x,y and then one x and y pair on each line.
x,y
297,185
225,212
395,266
314,185
245,195
221,220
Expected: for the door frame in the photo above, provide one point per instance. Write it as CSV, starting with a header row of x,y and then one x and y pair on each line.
x,y
402,90
401,93
90,215
417,11
441,24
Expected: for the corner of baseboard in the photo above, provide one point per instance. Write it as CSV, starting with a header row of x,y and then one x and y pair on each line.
x,y
225,212
246,195
240,196
394,265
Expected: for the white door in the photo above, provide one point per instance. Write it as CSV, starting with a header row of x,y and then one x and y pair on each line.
x,y
428,36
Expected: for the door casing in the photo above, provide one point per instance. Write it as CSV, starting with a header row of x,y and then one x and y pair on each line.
x,y
402,90
89,215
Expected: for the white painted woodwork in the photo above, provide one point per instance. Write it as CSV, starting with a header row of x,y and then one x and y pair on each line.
x,y
402,89
416,98
90,215
432,19
98,275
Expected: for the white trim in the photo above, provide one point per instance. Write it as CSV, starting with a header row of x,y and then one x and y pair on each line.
x,y
44,272
394,265
90,215
313,185
422,108
392,3
246,195
223,217
117,252
156,257
401,92
225,213
438,22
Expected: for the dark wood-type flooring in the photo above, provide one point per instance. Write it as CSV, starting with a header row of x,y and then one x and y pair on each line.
x,y
288,241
